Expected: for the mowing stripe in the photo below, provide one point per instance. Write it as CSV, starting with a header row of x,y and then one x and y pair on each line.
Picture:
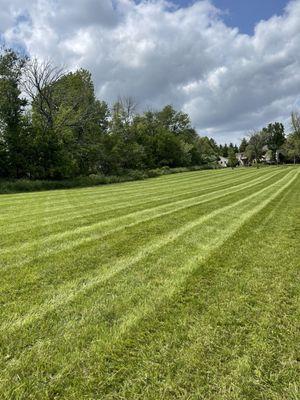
x,y
16,228
180,308
129,220
87,206
114,188
172,287
57,204
105,190
70,291
177,282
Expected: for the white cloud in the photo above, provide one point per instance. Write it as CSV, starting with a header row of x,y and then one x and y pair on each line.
x,y
228,82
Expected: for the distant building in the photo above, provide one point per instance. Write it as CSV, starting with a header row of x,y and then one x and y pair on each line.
x,y
242,159
223,161
270,157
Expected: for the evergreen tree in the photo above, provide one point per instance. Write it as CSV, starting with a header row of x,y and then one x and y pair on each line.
x,y
243,145
232,161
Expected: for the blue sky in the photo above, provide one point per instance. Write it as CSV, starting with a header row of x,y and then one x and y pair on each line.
x,y
244,14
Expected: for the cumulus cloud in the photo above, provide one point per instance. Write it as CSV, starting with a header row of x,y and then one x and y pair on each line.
x,y
160,54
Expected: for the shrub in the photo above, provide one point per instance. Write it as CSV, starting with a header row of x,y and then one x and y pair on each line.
x,y
27,185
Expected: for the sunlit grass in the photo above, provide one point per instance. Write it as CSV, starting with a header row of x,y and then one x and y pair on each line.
x,y
183,286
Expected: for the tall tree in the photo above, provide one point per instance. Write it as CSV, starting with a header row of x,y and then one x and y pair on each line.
x,y
68,120
243,145
203,151
274,138
232,161
255,146
176,122
11,114
80,120
225,149
292,145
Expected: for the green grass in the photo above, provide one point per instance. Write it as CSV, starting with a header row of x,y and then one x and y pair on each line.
x,y
35,185
181,287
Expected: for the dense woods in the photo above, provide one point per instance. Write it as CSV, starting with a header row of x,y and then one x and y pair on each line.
x,y
52,126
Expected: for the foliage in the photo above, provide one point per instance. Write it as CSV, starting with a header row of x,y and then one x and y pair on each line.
x,y
13,129
67,132
274,137
62,131
243,145
292,145
270,144
255,150
225,149
232,161
30,185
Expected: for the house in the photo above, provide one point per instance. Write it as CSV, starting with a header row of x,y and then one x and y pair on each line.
x,y
270,157
242,159
223,161
266,156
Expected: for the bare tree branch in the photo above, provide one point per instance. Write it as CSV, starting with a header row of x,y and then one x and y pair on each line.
x,y
38,83
129,107
295,122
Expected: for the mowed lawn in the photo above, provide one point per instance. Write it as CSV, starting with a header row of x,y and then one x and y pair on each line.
x,y
185,286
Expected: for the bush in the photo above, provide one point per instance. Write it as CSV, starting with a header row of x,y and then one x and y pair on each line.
x,y
153,173
136,175
27,185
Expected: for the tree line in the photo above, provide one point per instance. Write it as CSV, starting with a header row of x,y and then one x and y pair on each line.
x,y
272,145
52,126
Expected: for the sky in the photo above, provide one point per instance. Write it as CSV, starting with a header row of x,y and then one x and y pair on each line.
x,y
232,65
244,14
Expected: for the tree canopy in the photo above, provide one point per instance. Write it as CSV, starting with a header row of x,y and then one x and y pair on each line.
x,y
52,125
62,130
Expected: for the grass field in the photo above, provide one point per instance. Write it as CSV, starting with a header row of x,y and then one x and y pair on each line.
x,y
181,287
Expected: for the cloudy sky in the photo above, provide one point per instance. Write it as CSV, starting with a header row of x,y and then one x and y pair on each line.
x,y
233,65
